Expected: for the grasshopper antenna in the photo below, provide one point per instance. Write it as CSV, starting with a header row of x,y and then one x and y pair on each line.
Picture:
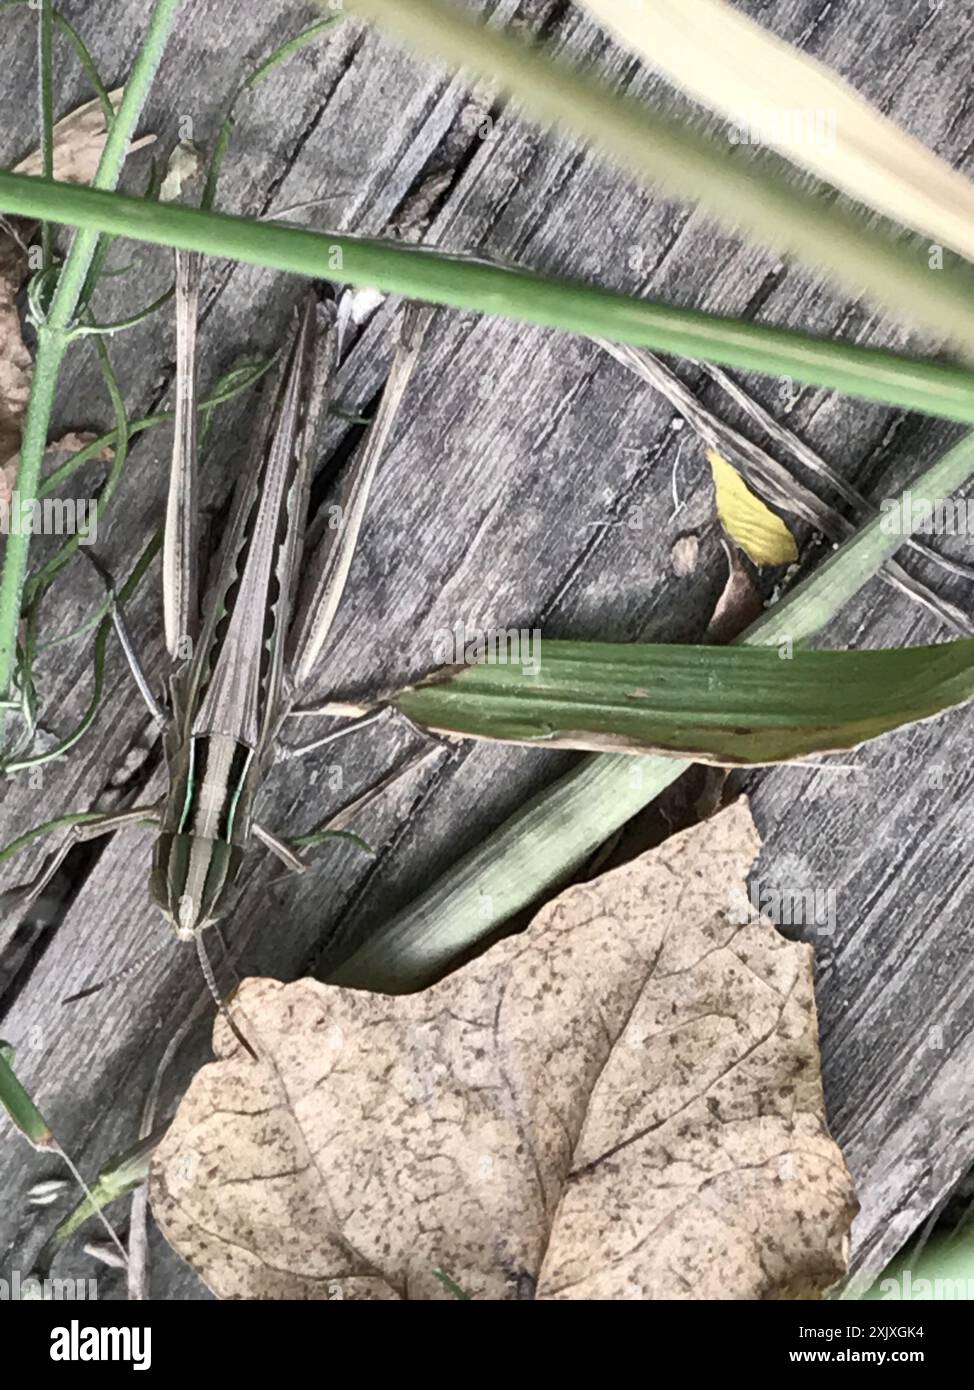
x,y
134,967
218,998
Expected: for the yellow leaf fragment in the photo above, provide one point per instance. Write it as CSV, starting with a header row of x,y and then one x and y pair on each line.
x,y
751,524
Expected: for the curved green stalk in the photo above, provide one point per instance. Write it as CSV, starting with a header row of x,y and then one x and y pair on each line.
x,y
37,585
54,331
88,65
76,734
81,52
279,55
92,330
231,384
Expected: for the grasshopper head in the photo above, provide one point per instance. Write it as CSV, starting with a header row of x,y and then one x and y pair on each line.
x,y
192,880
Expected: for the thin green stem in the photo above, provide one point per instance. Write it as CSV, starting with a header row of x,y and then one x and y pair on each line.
x,y
90,330
100,645
81,51
53,333
101,639
151,550
83,725
45,72
232,384
279,55
88,64
464,283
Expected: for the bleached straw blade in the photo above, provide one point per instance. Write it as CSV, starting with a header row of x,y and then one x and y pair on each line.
x,y
780,97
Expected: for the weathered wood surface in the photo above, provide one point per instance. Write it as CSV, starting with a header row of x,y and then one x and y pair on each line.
x,y
516,452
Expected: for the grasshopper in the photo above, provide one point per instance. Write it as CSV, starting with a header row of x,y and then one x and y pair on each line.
x,y
243,656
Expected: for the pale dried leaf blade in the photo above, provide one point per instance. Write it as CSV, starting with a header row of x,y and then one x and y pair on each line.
x,y
624,1101
732,65
184,166
78,142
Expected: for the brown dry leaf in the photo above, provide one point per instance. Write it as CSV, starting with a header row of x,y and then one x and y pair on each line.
x,y
76,440
78,142
739,604
15,360
623,1102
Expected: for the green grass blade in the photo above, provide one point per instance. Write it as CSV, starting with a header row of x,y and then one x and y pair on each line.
x,y
25,1115
726,705
37,832
17,1102
463,283
815,601
318,837
560,828
943,1268
767,207
451,1285
118,1178
279,55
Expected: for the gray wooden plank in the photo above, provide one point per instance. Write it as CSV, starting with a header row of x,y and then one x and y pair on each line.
x,y
517,452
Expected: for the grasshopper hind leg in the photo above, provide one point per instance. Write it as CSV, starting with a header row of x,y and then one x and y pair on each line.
x,y
23,897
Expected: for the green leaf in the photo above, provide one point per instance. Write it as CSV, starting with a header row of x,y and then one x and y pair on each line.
x,y
713,704
19,1106
560,827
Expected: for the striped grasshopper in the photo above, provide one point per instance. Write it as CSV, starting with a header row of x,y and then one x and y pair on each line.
x,y
244,656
